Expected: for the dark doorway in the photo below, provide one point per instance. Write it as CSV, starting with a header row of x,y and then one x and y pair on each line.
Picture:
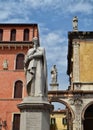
x,y
88,122
16,122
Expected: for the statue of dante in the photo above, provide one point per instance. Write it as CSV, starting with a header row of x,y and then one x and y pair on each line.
x,y
36,70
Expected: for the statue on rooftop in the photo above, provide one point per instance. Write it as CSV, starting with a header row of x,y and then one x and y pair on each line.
x,y
75,23
54,74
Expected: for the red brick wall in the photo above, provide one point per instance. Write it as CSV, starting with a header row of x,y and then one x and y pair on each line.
x,y
8,77
33,32
8,105
7,108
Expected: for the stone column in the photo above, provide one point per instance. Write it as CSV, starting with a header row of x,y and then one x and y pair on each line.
x,y
76,104
77,124
76,65
76,61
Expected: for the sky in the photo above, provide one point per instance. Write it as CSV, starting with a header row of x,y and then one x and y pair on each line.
x,y
54,19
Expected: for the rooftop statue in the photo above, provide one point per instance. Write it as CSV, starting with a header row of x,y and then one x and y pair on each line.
x,y
75,23
54,74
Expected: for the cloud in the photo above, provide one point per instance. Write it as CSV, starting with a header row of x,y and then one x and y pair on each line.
x,y
53,38
87,23
13,10
24,8
81,7
65,6
42,3
55,44
3,14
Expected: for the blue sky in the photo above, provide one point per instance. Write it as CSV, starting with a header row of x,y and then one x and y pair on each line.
x,y
54,18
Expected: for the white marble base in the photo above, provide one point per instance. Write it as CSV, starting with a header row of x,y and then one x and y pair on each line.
x,y
35,113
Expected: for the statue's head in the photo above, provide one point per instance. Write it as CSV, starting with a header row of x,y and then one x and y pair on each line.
x,y
35,41
54,66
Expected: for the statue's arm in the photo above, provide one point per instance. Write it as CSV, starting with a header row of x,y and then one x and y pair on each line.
x,y
38,54
29,55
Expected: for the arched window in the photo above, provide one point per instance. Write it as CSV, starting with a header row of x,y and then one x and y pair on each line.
x,y
20,61
18,89
1,34
26,35
13,35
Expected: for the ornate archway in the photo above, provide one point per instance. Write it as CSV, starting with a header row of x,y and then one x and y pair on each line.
x,y
70,116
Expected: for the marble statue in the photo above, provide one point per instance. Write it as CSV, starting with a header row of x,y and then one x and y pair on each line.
x,y
54,74
36,70
5,64
75,23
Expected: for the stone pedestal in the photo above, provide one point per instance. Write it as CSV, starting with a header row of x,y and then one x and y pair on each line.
x,y
35,113
54,86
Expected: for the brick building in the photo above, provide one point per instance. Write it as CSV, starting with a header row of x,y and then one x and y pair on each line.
x,y
15,40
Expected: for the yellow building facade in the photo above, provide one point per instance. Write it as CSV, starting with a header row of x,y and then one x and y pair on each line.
x,y
81,63
86,61
58,120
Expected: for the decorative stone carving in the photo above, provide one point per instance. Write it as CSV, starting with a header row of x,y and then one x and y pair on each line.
x,y
77,86
76,101
5,64
71,101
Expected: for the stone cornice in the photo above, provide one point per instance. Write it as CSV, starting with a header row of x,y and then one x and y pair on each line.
x,y
15,44
11,99
80,35
17,24
67,92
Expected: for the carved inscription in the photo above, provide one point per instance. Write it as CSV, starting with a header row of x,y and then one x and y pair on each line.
x,y
33,121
